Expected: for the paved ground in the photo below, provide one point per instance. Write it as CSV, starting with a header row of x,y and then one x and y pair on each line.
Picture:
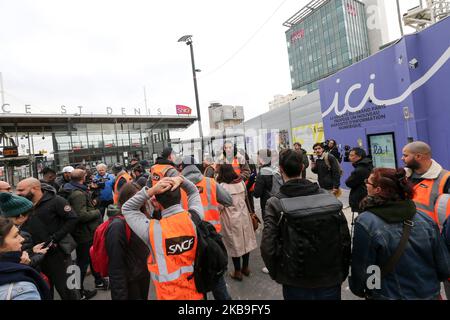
x,y
259,286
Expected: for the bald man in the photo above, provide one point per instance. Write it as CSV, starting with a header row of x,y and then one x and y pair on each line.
x,y
431,181
432,188
52,220
5,187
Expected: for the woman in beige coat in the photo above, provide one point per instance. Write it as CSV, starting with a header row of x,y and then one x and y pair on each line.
x,y
237,228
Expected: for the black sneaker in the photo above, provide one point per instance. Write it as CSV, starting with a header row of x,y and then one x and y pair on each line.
x,y
102,285
88,294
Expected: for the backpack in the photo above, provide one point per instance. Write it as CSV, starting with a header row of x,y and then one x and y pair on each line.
x,y
211,258
327,163
277,182
98,252
314,239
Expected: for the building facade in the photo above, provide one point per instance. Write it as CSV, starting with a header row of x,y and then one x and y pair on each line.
x,y
222,117
83,139
324,37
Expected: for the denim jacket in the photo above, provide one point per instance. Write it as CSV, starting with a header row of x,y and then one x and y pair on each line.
x,y
418,273
22,290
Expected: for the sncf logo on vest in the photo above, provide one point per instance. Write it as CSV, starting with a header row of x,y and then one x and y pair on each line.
x,y
178,245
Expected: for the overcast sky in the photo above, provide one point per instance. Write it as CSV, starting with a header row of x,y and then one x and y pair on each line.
x,y
99,54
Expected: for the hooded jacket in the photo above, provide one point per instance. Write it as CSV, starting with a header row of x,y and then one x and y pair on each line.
x,y
194,175
273,251
89,217
127,261
432,174
355,182
424,263
52,218
263,185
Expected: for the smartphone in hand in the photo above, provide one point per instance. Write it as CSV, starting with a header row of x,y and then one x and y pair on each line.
x,y
48,244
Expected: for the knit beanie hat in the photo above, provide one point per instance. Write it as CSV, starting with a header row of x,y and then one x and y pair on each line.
x,y
13,206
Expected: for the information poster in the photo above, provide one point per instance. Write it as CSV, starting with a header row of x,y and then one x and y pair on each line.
x,y
382,149
308,135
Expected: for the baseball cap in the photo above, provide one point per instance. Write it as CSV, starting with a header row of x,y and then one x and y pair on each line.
x,y
68,169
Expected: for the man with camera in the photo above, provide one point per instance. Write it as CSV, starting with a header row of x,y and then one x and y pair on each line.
x,y
104,183
89,219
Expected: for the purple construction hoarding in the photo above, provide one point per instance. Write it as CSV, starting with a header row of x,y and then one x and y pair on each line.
x,y
397,95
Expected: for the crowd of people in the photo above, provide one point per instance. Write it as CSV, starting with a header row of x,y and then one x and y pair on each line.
x,y
136,225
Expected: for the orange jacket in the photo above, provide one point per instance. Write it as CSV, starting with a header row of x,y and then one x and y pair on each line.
x,y
208,194
430,198
116,184
171,262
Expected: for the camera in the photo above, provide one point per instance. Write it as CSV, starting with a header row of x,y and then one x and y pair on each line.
x,y
413,64
347,149
100,183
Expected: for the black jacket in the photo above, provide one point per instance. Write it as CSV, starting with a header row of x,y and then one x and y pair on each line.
x,y
127,260
358,191
335,152
328,178
27,245
52,217
328,269
263,185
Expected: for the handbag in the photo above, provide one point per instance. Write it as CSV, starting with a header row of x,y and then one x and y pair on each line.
x,y
255,219
67,244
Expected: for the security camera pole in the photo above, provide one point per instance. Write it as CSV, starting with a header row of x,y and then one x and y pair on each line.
x,y
188,40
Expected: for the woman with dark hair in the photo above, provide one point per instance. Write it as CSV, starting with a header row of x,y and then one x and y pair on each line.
x,y
333,149
230,155
237,228
17,281
398,252
128,274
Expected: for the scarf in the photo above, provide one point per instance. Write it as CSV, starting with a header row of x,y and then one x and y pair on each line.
x,y
389,211
12,271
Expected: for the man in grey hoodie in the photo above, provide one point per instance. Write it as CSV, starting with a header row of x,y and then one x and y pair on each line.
x,y
191,172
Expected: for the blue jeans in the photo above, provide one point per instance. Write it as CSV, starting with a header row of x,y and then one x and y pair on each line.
x,y
220,292
296,293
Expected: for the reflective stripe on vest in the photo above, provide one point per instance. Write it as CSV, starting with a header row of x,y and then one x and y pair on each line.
x,y
158,171
442,210
427,193
173,244
207,189
128,178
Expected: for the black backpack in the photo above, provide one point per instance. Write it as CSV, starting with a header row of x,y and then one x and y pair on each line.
x,y
211,259
314,239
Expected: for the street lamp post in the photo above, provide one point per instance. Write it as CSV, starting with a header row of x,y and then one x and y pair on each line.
x,y
188,40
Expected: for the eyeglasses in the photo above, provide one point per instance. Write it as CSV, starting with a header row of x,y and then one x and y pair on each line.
x,y
366,181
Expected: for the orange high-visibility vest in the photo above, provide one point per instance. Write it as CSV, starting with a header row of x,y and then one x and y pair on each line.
x,y
430,199
236,166
116,191
173,242
252,188
208,194
158,171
